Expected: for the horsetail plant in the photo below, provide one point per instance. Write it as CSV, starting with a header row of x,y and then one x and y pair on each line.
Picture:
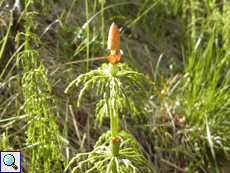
x,y
39,107
115,151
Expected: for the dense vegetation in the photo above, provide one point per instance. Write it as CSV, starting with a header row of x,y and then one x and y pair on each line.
x,y
183,46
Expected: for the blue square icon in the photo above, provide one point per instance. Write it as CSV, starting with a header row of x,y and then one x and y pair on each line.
x,y
10,161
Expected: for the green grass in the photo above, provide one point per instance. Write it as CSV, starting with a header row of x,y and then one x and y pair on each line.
x,y
161,38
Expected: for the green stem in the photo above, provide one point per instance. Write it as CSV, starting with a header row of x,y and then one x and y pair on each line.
x,y
113,51
114,166
114,124
114,119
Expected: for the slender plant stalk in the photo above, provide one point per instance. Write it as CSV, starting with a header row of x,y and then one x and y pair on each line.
x,y
87,33
5,40
102,22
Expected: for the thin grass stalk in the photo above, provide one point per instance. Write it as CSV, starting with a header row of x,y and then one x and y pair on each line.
x,y
5,39
193,21
87,34
103,23
94,30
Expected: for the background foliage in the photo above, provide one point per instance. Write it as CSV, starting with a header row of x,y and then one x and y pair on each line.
x,y
184,46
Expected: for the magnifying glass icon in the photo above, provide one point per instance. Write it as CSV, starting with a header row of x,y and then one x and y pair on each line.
x,y
9,160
